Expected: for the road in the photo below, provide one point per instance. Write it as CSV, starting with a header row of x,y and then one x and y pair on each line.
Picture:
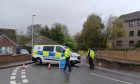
x,y
40,74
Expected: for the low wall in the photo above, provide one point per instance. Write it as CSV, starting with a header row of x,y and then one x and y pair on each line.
x,y
14,58
110,64
122,55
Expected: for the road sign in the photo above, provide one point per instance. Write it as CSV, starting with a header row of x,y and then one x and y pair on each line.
x,y
62,63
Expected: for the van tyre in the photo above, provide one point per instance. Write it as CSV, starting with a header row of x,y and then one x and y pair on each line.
x,y
38,61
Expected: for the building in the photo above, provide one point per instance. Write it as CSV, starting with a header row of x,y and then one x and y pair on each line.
x,y
10,33
7,41
7,46
132,27
36,29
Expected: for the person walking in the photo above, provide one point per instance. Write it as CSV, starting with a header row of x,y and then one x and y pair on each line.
x,y
91,58
67,55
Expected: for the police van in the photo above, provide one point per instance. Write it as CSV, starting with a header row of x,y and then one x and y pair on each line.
x,y
52,54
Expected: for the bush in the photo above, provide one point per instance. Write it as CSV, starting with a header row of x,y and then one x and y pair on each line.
x,y
137,45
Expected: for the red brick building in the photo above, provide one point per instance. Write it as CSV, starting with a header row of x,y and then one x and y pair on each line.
x,y
7,46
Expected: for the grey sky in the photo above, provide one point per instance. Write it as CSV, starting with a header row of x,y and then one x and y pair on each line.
x,y
17,13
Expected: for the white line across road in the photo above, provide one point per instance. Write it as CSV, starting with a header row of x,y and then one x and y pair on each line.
x,y
13,77
23,76
23,70
23,73
13,82
14,73
25,80
111,78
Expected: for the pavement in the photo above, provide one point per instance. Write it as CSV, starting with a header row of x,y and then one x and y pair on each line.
x,y
14,64
40,74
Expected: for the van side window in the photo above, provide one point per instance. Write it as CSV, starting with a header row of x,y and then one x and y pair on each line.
x,y
48,48
59,49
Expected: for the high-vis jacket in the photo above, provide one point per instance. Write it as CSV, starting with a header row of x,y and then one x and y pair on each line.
x,y
92,54
67,53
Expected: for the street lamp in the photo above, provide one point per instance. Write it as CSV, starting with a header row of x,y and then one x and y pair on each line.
x,y
33,30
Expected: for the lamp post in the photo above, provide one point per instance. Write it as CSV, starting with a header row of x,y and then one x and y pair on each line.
x,y
33,30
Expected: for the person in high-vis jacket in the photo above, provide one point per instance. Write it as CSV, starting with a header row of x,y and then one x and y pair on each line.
x,y
67,55
90,58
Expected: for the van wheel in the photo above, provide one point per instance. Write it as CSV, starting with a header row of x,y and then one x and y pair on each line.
x,y
38,61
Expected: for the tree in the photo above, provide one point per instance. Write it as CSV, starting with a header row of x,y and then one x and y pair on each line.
x,y
91,31
70,42
56,33
59,33
22,40
45,31
79,40
114,29
137,45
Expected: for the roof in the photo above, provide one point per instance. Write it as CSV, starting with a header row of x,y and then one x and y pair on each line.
x,y
10,33
42,40
130,16
8,39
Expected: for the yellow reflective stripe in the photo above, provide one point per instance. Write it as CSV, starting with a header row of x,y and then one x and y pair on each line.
x,y
58,55
34,52
92,54
45,53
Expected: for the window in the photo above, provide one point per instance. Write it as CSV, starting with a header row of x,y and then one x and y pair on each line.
x,y
48,48
119,43
59,49
138,32
6,50
131,43
131,23
138,22
131,33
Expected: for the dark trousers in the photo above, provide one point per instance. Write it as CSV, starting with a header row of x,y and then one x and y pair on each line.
x,y
67,64
91,63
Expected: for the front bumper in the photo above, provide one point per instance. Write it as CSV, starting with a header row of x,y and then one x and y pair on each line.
x,y
75,61
33,59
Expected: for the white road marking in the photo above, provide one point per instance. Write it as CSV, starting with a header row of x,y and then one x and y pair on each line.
x,y
23,76
14,74
23,70
111,78
27,65
15,71
19,66
25,81
16,68
13,82
13,77
23,73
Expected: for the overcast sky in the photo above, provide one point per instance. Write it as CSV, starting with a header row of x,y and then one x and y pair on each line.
x,y
73,13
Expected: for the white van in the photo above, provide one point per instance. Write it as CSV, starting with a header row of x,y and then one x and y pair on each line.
x,y
52,54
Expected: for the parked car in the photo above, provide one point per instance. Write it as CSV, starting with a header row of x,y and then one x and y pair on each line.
x,y
21,50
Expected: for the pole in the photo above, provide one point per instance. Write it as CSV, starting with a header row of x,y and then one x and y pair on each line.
x,y
32,31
